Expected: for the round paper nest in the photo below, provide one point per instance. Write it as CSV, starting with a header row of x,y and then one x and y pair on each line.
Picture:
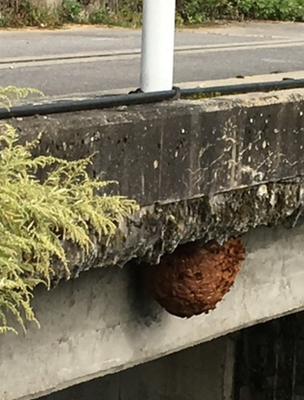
x,y
194,279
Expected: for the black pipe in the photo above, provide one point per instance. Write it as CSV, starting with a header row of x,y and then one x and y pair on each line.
x,y
136,98
245,88
64,106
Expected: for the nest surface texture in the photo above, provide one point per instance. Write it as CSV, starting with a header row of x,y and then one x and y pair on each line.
x,y
194,279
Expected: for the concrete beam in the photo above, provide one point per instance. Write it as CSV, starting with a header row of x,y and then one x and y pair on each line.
x,y
201,372
185,149
104,322
216,154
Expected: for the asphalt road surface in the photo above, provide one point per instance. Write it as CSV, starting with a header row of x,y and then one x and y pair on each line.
x,y
92,59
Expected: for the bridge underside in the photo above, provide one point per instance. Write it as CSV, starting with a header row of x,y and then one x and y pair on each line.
x,y
104,322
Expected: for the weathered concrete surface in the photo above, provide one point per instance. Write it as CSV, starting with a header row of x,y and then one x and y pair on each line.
x,y
202,372
212,168
180,150
202,170
158,229
103,322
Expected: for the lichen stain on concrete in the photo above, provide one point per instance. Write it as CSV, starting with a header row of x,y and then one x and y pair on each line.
x,y
194,279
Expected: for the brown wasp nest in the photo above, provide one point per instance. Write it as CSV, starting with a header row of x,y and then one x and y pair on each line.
x,y
194,278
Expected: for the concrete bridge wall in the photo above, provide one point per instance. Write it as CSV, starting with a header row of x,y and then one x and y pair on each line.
x,y
263,362
174,151
207,151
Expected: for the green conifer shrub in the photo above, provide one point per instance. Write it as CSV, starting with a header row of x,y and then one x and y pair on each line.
x,y
37,217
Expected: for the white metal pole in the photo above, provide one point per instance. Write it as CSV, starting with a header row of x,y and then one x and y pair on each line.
x,y
157,51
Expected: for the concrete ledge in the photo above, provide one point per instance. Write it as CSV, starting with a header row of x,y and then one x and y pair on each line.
x,y
104,322
157,229
180,150
203,167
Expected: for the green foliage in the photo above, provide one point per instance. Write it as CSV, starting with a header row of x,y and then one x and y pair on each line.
x,y
102,16
130,11
36,217
198,11
25,13
35,15
127,13
5,20
202,96
10,95
72,11
272,9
